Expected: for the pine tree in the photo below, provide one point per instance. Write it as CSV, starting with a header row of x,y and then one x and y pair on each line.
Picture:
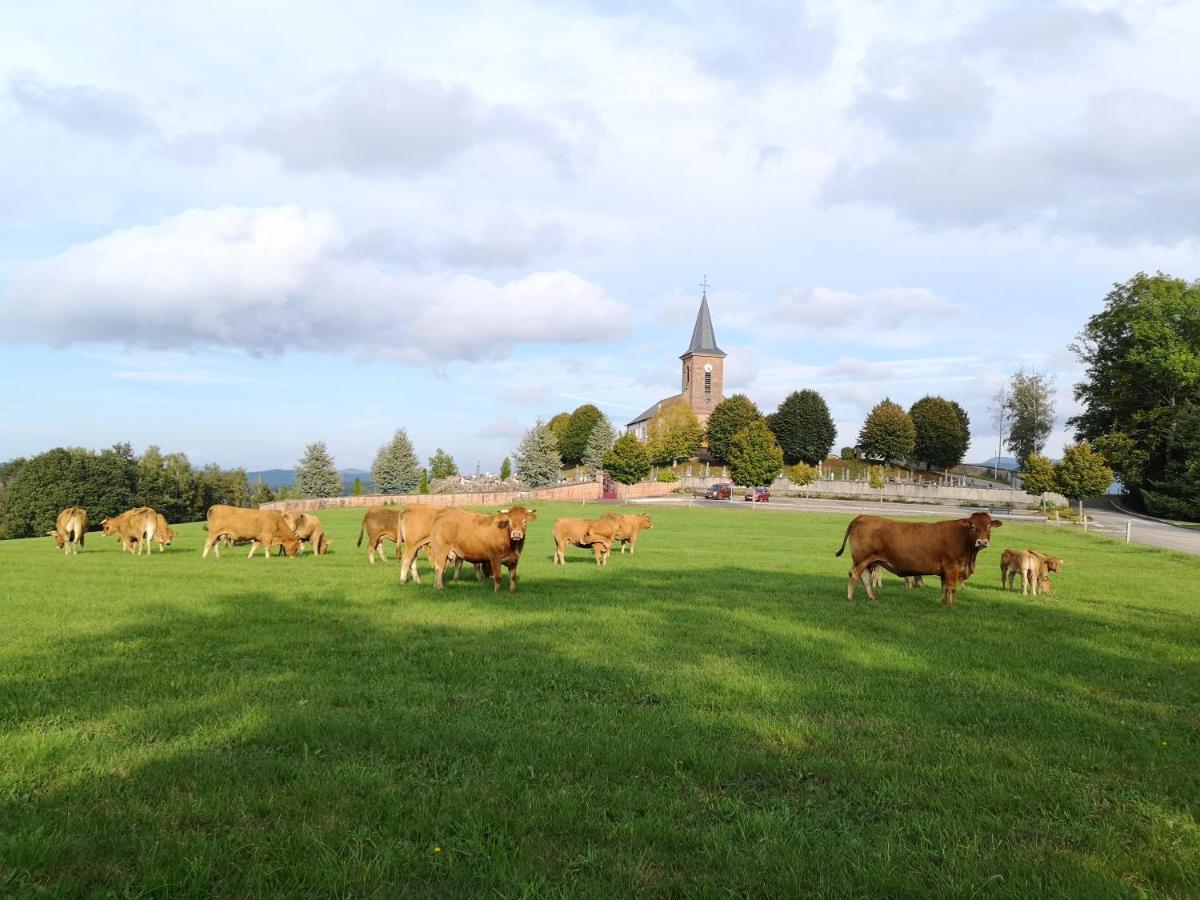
x,y
627,461
888,434
941,441
728,418
441,465
358,487
573,443
316,474
599,442
506,469
396,469
755,457
423,482
803,427
537,459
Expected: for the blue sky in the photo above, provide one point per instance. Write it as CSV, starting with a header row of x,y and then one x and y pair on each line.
x,y
236,229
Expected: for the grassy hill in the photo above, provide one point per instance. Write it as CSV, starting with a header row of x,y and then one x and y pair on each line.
x,y
709,718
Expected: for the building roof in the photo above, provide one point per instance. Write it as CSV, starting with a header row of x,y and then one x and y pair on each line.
x,y
653,411
704,341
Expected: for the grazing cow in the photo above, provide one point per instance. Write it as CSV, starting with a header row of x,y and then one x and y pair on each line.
x,y
627,528
947,549
308,529
416,531
69,529
598,535
381,523
163,532
134,526
262,527
477,538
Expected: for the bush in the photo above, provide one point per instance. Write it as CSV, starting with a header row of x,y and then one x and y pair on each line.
x,y
875,477
803,474
667,475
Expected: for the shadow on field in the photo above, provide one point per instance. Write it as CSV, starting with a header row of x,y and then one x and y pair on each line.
x,y
724,730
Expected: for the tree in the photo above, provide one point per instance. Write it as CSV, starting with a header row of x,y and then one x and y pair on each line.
x,y
558,425
152,479
627,461
358,487
941,440
396,469
803,427
423,482
875,478
506,469
1030,413
803,474
1037,477
103,483
441,465
755,456
316,475
888,434
674,434
1082,472
729,417
537,460
847,453
964,419
261,493
1141,390
573,443
599,442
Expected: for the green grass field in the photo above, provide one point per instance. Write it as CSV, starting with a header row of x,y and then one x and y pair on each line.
x,y
708,718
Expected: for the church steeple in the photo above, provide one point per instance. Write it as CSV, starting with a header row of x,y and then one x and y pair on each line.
x,y
704,341
703,364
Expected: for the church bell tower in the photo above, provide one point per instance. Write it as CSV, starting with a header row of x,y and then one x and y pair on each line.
x,y
703,365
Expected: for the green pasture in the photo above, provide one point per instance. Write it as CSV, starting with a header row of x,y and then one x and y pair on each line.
x,y
708,718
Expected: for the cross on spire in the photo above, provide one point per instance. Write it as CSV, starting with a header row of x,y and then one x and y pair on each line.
x,y
704,285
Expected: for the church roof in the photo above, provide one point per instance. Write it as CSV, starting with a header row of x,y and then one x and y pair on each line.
x,y
704,341
653,411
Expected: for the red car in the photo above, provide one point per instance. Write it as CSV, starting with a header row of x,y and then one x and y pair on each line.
x,y
719,492
758,495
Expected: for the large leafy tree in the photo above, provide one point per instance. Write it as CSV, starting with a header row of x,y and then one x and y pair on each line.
x,y
803,427
755,457
558,425
316,475
599,442
1037,477
674,434
941,440
888,433
1141,389
1030,407
729,417
1082,472
627,461
573,443
442,465
396,469
537,461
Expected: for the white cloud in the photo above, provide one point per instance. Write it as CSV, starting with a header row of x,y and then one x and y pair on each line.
x,y
506,427
882,317
270,280
86,109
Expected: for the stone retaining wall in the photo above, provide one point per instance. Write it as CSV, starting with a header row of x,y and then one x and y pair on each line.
x,y
915,492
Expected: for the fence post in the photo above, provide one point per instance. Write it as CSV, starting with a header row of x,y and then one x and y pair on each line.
x,y
1128,531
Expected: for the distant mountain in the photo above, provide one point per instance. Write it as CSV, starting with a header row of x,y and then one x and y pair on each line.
x,y
277,478
1007,463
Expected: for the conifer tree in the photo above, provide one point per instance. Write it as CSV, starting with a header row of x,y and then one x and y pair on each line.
x,y
537,460
599,442
396,469
506,469
261,493
316,475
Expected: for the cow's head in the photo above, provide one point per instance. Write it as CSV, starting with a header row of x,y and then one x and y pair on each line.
x,y
59,542
291,546
979,528
108,527
516,520
645,521
1054,563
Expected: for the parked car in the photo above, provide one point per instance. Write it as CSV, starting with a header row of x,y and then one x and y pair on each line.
x,y
719,492
758,495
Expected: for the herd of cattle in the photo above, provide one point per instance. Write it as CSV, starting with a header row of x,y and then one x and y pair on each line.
x,y
451,537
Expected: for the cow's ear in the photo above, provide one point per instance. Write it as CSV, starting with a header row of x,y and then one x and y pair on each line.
x,y
965,523
532,515
996,523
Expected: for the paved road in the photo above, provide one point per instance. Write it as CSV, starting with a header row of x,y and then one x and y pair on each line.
x,y
1145,531
1111,521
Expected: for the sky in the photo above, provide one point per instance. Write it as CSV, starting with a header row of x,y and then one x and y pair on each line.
x,y
235,228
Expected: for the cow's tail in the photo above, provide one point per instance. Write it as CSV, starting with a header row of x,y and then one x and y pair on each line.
x,y
362,531
849,527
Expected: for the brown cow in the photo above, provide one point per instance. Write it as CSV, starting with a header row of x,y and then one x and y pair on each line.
x,y
69,529
134,526
308,529
381,523
477,538
1035,571
597,535
947,549
628,527
416,531
263,527
1010,568
163,532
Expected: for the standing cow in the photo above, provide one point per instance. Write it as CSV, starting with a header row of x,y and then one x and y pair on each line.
x,y
69,529
947,549
134,526
476,538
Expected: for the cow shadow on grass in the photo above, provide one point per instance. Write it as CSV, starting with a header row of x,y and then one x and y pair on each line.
x,y
724,731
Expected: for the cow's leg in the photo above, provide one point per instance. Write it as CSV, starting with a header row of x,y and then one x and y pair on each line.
x,y
857,574
208,542
497,573
558,552
949,585
254,549
458,564
439,568
599,551
409,563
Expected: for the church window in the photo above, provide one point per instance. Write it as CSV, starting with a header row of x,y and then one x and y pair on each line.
x,y
708,382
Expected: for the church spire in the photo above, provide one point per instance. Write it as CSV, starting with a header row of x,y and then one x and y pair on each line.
x,y
704,341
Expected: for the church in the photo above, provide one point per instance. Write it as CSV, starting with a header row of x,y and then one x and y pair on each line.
x,y
703,376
